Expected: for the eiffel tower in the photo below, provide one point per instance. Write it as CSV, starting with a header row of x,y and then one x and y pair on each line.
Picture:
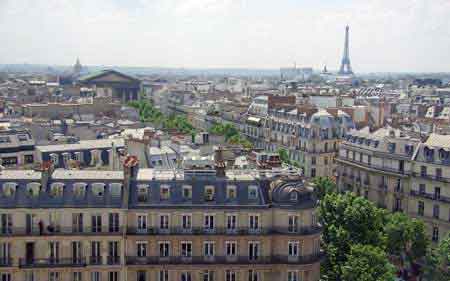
x,y
346,68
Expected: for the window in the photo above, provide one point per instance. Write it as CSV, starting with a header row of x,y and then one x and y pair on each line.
x,y
186,222
231,222
141,275
209,193
294,248
5,252
230,248
292,276
253,223
77,276
141,247
56,190
114,222
113,276
5,277
293,225
208,275
96,276
187,192
53,276
422,188
55,222
313,160
164,192
163,275
423,171
325,161
142,223
438,173
96,223
369,159
437,193
252,192
231,192
95,252
163,222
253,275
230,275
209,222
208,248
186,276
142,190
33,189
186,249
164,249
436,211
9,189
79,190
98,189
313,172
420,208
115,189
293,196
253,250
113,252
435,236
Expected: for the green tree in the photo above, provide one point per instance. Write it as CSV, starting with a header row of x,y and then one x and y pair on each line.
x,y
368,263
437,262
347,220
323,186
284,155
406,237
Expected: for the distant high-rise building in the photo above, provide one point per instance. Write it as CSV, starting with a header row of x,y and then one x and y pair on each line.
x,y
346,68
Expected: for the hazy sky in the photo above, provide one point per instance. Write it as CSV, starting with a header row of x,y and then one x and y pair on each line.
x,y
385,35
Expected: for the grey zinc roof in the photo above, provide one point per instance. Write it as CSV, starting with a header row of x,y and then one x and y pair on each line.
x,y
82,145
436,140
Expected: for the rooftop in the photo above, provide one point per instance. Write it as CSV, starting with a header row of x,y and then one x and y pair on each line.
x,y
63,174
81,145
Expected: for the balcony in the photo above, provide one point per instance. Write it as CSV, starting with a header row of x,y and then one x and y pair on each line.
x,y
372,166
430,196
215,260
303,230
113,260
52,262
383,186
67,231
431,177
95,260
5,262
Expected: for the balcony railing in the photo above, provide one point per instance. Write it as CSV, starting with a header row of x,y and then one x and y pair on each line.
x,y
431,177
373,166
5,262
95,260
35,231
52,262
301,230
430,196
174,260
113,260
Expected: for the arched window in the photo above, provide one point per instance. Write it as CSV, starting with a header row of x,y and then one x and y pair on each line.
x,y
293,196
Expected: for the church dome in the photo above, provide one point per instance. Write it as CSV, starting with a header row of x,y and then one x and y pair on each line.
x,y
323,119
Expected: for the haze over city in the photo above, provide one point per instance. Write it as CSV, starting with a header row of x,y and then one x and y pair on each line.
x,y
385,36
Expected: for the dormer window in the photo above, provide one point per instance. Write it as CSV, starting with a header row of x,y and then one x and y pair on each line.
x,y
231,192
376,143
142,190
209,193
98,189
164,192
368,141
443,154
293,196
252,192
54,158
56,190
79,189
408,149
391,147
33,189
187,192
9,189
115,189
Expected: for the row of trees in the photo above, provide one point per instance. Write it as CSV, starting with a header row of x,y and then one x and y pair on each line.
x,y
362,241
148,113
231,135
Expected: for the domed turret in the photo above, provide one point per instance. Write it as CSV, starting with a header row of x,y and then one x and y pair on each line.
x,y
322,119
290,191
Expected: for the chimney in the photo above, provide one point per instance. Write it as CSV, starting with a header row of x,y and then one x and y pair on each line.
x,y
46,168
130,171
219,162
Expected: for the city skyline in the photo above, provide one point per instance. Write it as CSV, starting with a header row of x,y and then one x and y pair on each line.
x,y
228,34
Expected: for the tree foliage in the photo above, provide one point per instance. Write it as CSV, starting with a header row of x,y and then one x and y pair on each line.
x,y
437,262
231,134
406,237
368,263
348,220
323,186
